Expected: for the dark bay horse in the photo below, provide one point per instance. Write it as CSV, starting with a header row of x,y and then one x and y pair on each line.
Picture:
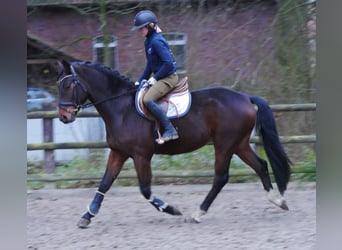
x,y
217,114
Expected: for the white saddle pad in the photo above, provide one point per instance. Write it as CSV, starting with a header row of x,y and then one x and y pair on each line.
x,y
178,104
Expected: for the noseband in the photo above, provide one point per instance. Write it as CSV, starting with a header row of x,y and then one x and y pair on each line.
x,y
76,103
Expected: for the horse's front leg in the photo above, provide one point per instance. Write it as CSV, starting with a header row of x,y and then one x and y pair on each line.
x,y
114,166
144,172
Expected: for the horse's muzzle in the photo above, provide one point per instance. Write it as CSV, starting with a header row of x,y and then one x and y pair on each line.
x,y
65,119
66,116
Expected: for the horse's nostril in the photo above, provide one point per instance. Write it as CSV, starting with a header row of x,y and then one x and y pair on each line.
x,y
63,118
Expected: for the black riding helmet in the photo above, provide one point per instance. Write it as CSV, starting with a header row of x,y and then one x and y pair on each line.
x,y
143,18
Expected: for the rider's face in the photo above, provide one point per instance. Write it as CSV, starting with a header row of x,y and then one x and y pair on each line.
x,y
143,31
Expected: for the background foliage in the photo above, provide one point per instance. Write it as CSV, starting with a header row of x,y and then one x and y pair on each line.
x,y
280,65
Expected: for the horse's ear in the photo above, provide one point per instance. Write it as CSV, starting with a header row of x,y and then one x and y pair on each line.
x,y
58,67
66,67
62,67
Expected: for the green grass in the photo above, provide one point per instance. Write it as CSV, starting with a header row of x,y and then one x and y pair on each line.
x,y
200,160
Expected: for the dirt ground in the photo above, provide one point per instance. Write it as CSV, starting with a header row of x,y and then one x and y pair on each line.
x,y
240,218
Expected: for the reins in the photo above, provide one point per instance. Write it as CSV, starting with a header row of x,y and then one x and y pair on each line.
x,y
87,105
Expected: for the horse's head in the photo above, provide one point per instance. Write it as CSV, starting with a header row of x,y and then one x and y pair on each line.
x,y
72,94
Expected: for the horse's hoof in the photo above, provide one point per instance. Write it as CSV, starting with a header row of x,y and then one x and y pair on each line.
x,y
176,212
192,219
83,223
172,210
284,205
277,200
196,217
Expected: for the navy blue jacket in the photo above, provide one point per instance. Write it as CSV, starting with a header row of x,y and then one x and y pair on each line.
x,y
159,57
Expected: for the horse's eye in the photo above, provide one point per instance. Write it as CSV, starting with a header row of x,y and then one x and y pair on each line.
x,y
68,83
64,82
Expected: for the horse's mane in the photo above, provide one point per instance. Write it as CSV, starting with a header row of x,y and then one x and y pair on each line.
x,y
114,74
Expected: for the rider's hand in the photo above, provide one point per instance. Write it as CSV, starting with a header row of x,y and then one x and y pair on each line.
x,y
137,83
151,81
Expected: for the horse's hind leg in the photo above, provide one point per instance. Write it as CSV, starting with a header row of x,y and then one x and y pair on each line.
x,y
114,165
260,167
257,164
143,168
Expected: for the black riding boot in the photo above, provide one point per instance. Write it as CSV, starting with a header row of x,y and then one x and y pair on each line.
x,y
170,133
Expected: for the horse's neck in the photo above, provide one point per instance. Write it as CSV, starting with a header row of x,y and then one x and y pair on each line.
x,y
110,99
103,93
112,107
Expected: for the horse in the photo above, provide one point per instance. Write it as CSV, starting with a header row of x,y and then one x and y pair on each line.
x,y
218,115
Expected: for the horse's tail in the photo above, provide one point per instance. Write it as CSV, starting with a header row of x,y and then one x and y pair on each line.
x,y
266,126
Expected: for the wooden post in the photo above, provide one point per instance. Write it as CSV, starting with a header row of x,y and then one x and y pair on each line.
x,y
49,159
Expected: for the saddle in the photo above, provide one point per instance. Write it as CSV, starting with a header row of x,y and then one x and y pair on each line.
x,y
175,104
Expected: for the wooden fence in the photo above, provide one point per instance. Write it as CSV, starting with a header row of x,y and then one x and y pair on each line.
x,y
49,146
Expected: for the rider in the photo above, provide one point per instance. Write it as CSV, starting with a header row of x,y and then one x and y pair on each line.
x,y
160,69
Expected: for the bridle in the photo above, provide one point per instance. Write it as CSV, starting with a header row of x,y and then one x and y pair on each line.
x,y
76,103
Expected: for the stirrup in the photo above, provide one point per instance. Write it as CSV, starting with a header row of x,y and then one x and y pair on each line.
x,y
162,140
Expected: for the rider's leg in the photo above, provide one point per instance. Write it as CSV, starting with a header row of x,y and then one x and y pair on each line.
x,y
158,90
170,133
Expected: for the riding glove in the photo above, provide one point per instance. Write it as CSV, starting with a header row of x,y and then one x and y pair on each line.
x,y
151,81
